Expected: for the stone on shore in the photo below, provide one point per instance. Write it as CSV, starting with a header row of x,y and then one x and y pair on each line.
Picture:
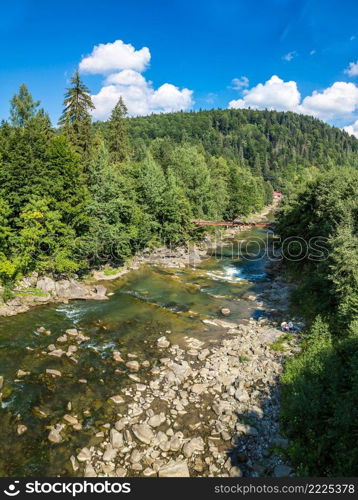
x,y
175,469
143,432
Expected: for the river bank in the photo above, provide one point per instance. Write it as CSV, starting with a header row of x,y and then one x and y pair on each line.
x,y
36,290
172,375
206,411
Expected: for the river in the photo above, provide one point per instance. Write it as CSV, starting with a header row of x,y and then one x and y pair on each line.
x,y
145,304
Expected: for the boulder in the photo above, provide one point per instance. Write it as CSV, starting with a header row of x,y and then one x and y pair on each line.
x,y
225,311
46,285
55,436
70,419
198,388
109,454
84,455
132,365
175,469
143,432
100,290
116,439
54,373
117,399
156,420
89,471
193,446
282,471
21,429
163,343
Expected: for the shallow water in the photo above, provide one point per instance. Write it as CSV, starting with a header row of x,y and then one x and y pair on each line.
x,y
145,304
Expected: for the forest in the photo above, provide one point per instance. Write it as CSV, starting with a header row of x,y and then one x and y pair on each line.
x,y
82,194
78,195
320,386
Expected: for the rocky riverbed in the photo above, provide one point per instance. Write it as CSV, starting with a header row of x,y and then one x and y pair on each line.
x,y
165,378
201,411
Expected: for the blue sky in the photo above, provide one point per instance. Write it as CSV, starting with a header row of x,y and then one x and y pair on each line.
x,y
194,50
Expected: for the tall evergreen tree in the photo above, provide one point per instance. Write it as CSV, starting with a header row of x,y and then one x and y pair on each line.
x,y
22,107
118,134
76,118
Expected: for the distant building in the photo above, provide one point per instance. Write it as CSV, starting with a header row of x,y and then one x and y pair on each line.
x,y
277,195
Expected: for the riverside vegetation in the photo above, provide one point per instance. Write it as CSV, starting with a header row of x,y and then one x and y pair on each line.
x,y
86,196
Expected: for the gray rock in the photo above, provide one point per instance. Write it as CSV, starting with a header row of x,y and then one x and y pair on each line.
x,y
282,471
46,285
55,436
21,429
198,388
143,432
116,439
193,446
54,373
135,457
163,343
89,471
156,420
175,469
100,290
132,365
109,454
84,455
117,399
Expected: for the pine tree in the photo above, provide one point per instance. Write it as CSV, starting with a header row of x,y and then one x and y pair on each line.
x,y
22,107
76,118
118,133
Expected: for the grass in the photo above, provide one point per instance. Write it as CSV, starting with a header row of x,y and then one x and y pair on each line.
x,y
279,344
110,271
31,291
242,359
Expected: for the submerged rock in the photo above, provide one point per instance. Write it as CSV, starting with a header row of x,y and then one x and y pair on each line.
x,y
55,436
132,365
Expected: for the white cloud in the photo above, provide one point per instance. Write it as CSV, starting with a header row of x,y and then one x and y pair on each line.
x,y
337,101
126,77
352,129
288,57
139,96
273,94
108,57
352,69
239,83
312,52
122,65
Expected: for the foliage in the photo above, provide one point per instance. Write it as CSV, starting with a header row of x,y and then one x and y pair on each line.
x,y
22,107
76,118
320,386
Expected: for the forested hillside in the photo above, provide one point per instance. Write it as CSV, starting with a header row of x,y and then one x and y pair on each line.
x,y
320,386
273,144
83,195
